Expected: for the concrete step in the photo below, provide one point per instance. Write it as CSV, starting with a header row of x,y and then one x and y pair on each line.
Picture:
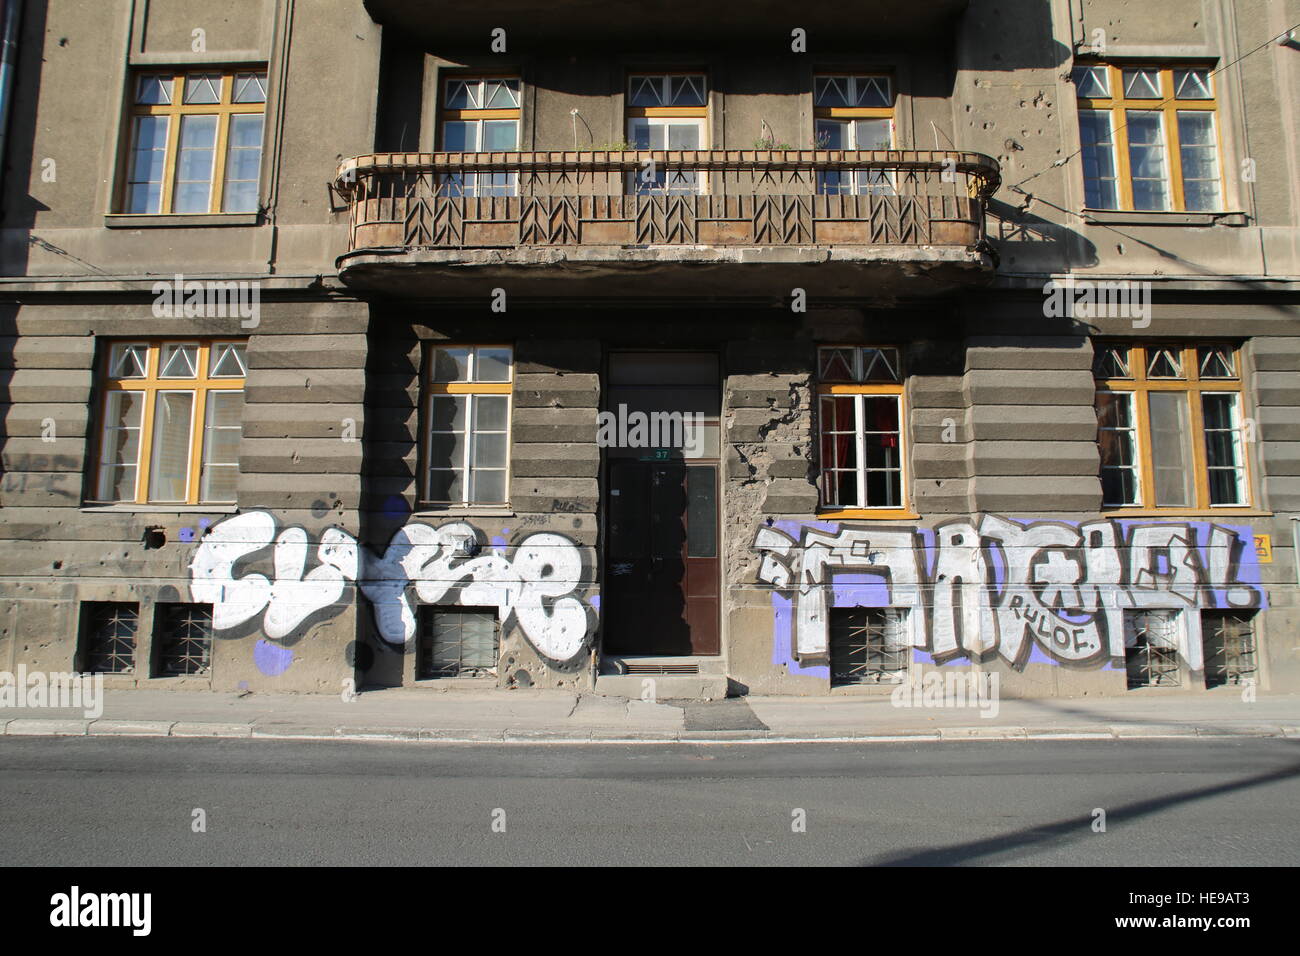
x,y
665,686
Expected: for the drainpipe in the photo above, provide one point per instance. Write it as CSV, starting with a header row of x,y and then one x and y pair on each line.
x,y
13,15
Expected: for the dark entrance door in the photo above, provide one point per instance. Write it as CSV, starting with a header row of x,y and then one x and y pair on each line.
x,y
662,565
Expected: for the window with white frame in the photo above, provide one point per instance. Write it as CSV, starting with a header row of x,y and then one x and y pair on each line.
x,y
480,115
667,112
467,436
860,418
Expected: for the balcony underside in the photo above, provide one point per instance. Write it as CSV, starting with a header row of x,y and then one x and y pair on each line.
x,y
879,274
569,24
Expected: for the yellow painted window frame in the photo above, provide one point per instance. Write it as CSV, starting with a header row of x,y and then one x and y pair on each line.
x,y
175,111
1169,106
432,388
1139,385
151,385
899,390
446,115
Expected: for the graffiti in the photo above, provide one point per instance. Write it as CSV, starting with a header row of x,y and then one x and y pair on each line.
x,y
1002,586
534,589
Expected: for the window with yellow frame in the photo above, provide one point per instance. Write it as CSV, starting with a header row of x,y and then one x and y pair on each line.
x,y
170,421
1149,137
480,115
194,143
667,111
860,419
853,111
1170,425
467,431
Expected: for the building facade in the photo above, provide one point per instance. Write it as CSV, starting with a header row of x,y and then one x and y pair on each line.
x,y
792,350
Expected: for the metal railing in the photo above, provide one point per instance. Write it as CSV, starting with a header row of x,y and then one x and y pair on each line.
x,y
666,197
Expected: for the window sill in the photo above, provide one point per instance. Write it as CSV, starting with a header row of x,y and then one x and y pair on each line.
x,y
1109,512
225,509
463,511
867,514
125,221
1131,217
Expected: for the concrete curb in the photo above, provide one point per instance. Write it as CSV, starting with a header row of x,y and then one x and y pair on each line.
x,y
21,727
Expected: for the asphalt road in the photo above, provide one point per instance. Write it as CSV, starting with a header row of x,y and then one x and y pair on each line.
x,y
85,801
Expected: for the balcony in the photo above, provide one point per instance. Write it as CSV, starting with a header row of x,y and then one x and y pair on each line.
x,y
859,224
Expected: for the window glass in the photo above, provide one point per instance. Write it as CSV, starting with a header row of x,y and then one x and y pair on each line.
x,y
1169,444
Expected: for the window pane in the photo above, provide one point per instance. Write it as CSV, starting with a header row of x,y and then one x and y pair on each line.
x,y
1142,84
169,465
1111,362
838,425
1216,362
882,445
1223,449
645,91
221,436
203,88
154,90
490,450
836,365
179,360
502,94
489,487
148,165
1192,84
119,452
1117,444
1146,147
880,366
129,360
228,360
500,135
447,486
447,450
1164,363
492,365
686,90
701,512
194,164
831,91
464,94
491,412
459,136
872,134
1092,81
1199,155
250,88
1169,448
872,91
447,413
243,163
1099,180
450,365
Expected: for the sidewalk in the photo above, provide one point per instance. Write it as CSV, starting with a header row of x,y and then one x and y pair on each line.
x,y
554,716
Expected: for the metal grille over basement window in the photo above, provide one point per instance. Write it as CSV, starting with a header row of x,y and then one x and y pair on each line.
x,y
108,636
1151,648
457,642
1229,641
184,636
868,645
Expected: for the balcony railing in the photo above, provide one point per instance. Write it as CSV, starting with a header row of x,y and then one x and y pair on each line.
x,y
676,198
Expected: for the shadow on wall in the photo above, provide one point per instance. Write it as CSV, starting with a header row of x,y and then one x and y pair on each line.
x,y
19,206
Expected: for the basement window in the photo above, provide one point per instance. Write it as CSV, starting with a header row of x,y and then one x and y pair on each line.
x,y
868,645
183,636
457,642
108,630
1151,638
1228,638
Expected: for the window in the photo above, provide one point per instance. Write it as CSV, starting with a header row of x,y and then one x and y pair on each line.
x,y
1228,638
1151,639
195,143
860,415
669,112
468,432
169,426
853,112
108,636
868,645
183,638
457,642
1148,137
480,115
1170,426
